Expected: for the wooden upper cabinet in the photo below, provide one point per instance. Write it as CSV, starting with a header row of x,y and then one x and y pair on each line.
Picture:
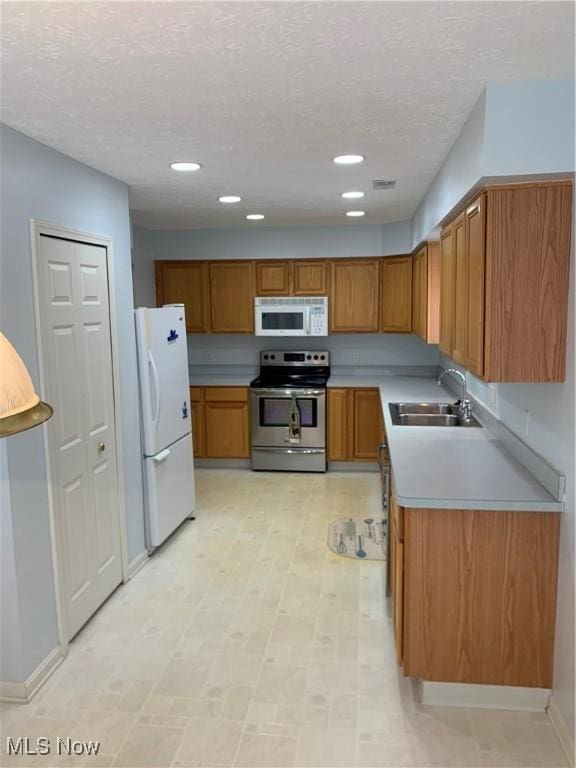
x,y
512,256
354,296
184,282
426,293
528,232
310,277
475,218
447,290
273,278
396,294
231,296
459,336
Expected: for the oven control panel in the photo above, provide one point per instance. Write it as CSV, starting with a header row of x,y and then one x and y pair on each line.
x,y
294,358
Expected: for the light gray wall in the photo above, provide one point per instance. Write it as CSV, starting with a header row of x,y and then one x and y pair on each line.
x,y
366,350
10,636
460,171
39,183
262,243
529,128
515,129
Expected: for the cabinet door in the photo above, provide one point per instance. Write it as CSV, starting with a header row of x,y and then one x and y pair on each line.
x,y
272,278
354,296
396,294
232,296
447,290
310,278
475,258
461,292
227,422
198,424
184,282
397,578
368,430
419,294
337,413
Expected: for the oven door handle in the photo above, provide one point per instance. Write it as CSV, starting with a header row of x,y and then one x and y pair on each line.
x,y
299,451
288,393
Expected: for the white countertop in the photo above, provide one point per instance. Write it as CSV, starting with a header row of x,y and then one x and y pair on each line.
x,y
454,468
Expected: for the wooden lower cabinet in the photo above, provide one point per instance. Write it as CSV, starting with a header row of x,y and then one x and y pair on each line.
x,y
220,422
337,424
474,594
396,575
198,423
355,424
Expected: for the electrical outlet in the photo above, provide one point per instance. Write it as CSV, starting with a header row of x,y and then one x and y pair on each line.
x,y
356,358
208,357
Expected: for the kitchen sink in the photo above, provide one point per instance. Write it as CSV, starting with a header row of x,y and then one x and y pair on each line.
x,y
429,415
426,408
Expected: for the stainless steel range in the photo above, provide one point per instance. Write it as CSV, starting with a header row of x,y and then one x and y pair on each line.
x,y
288,402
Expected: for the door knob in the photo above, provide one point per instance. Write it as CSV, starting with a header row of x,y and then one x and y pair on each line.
x,y
101,447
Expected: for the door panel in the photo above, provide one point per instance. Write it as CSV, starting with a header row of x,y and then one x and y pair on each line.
x,y
461,293
272,278
232,296
354,296
184,283
76,346
447,293
310,278
368,427
475,217
396,295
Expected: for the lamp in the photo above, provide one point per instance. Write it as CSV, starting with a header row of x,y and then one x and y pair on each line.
x,y
20,406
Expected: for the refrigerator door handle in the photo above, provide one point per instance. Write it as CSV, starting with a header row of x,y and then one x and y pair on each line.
x,y
162,455
156,413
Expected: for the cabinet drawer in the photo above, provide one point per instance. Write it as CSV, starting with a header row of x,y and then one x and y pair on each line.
x,y
226,394
196,394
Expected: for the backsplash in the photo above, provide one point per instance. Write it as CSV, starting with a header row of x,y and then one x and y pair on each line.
x,y
241,353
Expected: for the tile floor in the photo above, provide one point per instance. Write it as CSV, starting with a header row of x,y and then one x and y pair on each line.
x,y
246,642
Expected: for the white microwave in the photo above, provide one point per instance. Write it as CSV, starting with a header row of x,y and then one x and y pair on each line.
x,y
291,315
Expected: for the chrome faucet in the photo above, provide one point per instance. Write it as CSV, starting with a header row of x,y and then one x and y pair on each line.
x,y
464,404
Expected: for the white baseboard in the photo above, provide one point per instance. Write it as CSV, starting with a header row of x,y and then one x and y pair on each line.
x,y
562,729
22,693
137,563
483,696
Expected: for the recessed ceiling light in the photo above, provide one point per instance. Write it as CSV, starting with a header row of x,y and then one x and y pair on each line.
x,y
229,199
185,166
355,213
255,216
348,159
352,195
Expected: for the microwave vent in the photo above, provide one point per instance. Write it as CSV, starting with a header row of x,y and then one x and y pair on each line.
x,y
280,301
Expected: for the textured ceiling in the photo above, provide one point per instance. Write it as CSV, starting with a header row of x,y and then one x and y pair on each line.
x,y
264,94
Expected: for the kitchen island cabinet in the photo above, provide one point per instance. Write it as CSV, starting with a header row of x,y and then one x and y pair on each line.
x,y
474,594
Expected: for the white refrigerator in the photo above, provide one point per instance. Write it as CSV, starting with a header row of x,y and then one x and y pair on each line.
x,y
166,422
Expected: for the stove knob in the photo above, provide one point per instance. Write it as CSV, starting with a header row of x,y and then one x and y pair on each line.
x,y
272,357
315,357
308,357
322,357
265,357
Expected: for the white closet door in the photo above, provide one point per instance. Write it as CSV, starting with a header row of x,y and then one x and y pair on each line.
x,y
77,355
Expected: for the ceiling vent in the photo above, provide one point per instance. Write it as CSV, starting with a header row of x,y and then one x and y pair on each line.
x,y
383,183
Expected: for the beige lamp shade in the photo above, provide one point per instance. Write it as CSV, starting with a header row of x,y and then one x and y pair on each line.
x,y
20,406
